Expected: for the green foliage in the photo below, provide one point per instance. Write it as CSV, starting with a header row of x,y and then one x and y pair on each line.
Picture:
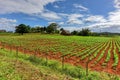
x,y
116,59
38,29
22,28
84,32
108,56
27,65
52,28
74,32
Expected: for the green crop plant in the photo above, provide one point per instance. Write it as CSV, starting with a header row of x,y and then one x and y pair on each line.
x,y
108,56
98,50
116,58
101,55
108,53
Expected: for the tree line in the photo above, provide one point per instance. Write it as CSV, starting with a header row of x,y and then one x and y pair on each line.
x,y
22,28
52,28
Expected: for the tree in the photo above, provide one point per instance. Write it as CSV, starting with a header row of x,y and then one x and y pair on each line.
x,y
22,28
33,30
52,28
43,29
85,32
38,29
74,32
61,29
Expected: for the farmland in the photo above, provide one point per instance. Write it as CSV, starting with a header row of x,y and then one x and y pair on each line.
x,y
101,53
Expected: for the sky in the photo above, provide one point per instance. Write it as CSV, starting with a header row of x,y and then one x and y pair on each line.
x,y
97,15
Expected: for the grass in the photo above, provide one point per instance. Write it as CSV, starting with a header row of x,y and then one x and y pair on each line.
x,y
25,68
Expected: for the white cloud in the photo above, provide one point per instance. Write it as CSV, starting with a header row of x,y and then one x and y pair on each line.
x,y
30,7
97,22
82,8
37,8
117,4
114,16
105,27
109,24
61,23
72,28
51,22
95,18
5,20
50,15
75,19
7,24
56,6
31,18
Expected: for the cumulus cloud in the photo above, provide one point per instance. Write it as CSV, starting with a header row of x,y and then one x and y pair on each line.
x,y
104,25
117,4
50,15
109,24
95,18
31,7
7,24
37,8
75,19
114,16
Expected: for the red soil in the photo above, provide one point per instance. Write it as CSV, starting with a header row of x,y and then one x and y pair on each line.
x,y
118,66
91,61
74,60
109,67
94,59
102,60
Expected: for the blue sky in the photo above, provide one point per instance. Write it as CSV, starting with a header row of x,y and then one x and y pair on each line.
x,y
97,15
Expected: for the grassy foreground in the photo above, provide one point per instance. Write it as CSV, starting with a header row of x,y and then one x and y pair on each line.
x,y
22,68
26,67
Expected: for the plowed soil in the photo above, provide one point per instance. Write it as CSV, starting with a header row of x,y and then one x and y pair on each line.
x,y
75,60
